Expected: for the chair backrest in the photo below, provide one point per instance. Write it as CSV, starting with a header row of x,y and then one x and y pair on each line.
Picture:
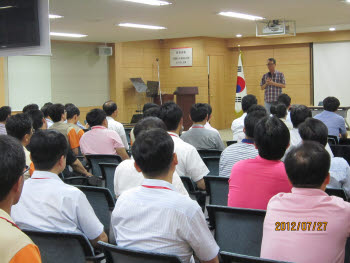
x,y
213,164
237,230
119,254
108,170
341,151
188,183
347,251
58,247
95,159
217,188
127,133
337,192
228,143
209,153
333,140
238,258
101,201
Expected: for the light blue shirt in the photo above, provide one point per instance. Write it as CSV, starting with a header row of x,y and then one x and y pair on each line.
x,y
334,122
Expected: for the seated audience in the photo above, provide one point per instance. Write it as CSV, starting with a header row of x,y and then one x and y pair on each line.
x,y
73,114
281,113
20,126
198,136
306,225
238,124
30,107
58,115
47,203
126,176
5,113
38,119
45,110
287,101
254,181
100,140
190,163
111,109
170,223
15,245
81,126
242,150
207,125
315,130
334,122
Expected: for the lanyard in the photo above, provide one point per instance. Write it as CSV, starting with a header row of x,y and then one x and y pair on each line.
x,y
197,127
39,178
173,135
156,187
13,224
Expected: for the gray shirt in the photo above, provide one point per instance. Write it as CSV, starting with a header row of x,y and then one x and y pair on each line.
x,y
203,139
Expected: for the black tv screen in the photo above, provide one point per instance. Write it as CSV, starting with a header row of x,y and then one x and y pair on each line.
x,y
19,23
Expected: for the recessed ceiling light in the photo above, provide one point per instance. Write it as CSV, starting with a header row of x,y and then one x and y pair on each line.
x,y
141,26
52,16
6,7
240,15
150,2
332,29
239,35
67,35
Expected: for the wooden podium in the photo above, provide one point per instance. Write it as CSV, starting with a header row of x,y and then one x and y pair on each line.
x,y
165,98
185,98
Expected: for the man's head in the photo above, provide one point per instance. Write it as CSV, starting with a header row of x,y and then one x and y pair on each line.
x,y
45,109
48,151
97,117
12,166
20,126
257,108
271,64
298,114
271,137
210,111
248,101
250,122
273,107
314,130
110,108
30,107
281,110
307,165
73,114
152,112
171,114
5,113
148,106
154,155
38,120
285,99
57,112
148,124
331,104
199,112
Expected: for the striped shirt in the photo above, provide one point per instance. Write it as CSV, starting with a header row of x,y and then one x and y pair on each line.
x,y
272,92
3,129
235,153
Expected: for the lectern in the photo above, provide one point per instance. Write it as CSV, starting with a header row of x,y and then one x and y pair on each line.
x,y
185,98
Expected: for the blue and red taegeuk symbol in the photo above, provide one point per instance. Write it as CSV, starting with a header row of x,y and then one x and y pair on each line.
x,y
240,84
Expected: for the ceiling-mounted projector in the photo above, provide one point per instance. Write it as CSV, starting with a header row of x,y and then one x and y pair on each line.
x,y
275,28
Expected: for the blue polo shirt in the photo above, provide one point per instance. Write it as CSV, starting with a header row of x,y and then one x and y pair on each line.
x,y
334,122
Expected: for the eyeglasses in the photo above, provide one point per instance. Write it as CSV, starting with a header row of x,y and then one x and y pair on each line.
x,y
270,64
27,168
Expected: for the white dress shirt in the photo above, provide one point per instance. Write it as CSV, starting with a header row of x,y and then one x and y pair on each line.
x,y
126,177
190,163
340,174
119,128
28,160
153,217
49,123
237,128
48,204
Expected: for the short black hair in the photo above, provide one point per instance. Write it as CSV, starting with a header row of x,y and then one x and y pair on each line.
x,y
272,60
56,111
152,112
19,125
37,117
298,114
30,107
46,148
271,137
331,104
149,105
5,112
71,111
109,107
198,112
171,114
273,107
251,120
281,110
147,124
248,101
307,165
257,108
45,108
153,151
314,130
285,99
12,164
95,117
210,109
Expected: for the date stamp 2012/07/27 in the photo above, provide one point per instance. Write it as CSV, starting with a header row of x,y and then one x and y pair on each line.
x,y
301,226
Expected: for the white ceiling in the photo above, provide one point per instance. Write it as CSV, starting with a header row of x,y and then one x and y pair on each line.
x,y
188,18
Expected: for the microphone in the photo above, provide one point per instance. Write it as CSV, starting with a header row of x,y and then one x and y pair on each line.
x,y
157,59
160,91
